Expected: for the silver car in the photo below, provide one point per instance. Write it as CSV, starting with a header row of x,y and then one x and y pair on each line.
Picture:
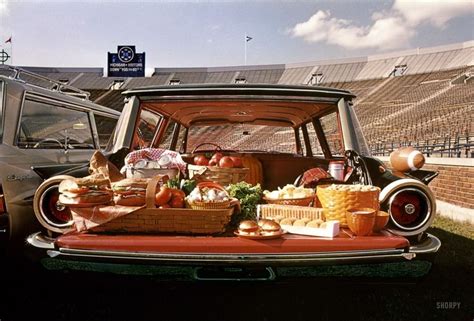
x,y
46,128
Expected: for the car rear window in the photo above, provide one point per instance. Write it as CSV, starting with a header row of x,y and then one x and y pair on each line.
x,y
329,124
243,137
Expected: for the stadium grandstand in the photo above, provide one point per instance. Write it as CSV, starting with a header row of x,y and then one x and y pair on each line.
x,y
422,97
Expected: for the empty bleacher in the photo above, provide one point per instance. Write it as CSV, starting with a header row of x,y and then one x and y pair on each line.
x,y
430,96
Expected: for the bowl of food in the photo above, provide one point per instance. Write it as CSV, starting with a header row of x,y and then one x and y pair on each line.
x,y
361,220
208,195
290,195
381,219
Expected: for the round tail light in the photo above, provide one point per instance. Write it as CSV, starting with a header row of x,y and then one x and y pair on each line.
x,y
52,210
49,212
409,209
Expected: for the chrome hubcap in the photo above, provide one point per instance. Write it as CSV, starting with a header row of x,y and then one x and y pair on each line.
x,y
410,209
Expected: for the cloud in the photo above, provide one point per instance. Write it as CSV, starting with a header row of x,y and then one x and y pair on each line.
x,y
3,7
388,30
436,12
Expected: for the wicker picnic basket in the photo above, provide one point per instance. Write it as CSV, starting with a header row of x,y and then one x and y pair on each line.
x,y
337,202
170,220
151,172
198,205
221,175
305,201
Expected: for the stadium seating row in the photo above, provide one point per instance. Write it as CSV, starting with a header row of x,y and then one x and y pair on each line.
x,y
411,98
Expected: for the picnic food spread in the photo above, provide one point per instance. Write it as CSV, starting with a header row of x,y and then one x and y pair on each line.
x,y
94,189
130,191
214,203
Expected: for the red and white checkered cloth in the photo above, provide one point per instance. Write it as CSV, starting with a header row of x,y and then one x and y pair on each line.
x,y
154,154
312,176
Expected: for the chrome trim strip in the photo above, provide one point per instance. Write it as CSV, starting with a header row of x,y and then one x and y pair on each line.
x,y
430,245
236,260
40,241
187,258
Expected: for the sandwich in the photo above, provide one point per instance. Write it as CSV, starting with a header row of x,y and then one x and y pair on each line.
x,y
269,227
94,189
248,228
130,191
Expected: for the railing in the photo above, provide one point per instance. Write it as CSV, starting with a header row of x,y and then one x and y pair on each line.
x,y
56,85
457,146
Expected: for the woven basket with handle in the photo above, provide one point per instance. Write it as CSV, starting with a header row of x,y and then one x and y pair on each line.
x,y
169,220
337,202
221,175
199,205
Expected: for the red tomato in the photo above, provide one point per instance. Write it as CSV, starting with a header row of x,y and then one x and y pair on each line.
x,y
237,161
217,157
226,161
212,162
165,206
201,160
177,202
177,192
163,196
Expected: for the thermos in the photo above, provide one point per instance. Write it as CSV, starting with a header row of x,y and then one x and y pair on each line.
x,y
336,169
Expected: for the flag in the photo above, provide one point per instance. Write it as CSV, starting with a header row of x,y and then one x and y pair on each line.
x,y
247,38
9,40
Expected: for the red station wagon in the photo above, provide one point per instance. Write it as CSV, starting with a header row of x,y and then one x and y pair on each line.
x,y
288,130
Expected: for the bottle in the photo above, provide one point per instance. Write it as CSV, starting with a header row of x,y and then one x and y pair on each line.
x,y
164,161
336,169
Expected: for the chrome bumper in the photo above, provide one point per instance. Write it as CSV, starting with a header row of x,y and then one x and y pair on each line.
x,y
429,246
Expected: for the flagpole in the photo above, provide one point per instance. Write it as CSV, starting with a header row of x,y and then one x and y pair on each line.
x,y
245,51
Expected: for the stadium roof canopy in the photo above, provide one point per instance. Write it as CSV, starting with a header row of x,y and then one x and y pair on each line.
x,y
328,72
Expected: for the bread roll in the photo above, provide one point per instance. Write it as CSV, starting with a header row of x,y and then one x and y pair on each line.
x,y
287,221
301,222
313,223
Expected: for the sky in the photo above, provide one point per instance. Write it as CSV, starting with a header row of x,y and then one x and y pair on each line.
x,y
212,33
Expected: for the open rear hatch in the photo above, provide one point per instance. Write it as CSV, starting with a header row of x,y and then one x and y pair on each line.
x,y
230,250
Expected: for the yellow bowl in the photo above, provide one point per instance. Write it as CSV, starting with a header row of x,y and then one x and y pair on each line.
x,y
381,219
361,220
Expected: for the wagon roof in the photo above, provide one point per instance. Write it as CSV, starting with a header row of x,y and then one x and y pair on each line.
x,y
278,105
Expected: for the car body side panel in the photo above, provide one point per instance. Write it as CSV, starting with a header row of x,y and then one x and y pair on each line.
x,y
18,179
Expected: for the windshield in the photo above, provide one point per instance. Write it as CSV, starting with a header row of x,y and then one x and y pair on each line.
x,y
243,137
